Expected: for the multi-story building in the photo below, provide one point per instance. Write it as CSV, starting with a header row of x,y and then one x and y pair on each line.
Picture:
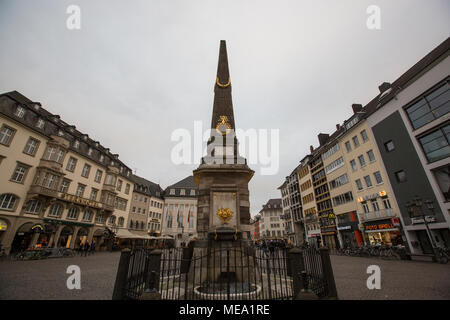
x,y
254,222
271,224
58,186
410,121
292,209
180,210
308,202
146,207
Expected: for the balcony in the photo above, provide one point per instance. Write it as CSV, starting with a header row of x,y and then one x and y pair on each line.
x,y
376,215
36,189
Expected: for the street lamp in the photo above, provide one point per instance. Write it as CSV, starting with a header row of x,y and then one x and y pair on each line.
x,y
114,228
415,210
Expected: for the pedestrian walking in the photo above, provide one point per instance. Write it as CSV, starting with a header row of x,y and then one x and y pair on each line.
x,y
86,248
92,248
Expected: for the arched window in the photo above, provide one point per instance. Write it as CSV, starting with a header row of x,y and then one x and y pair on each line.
x,y
55,210
121,220
142,225
73,213
8,201
33,206
131,224
88,214
112,220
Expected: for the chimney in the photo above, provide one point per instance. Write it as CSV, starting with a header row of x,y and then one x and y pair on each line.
x,y
323,138
384,87
311,148
338,126
356,108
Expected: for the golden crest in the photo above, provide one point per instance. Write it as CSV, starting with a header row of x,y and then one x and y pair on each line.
x,y
223,127
224,214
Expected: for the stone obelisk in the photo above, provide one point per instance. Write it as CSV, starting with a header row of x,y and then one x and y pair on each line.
x,y
223,175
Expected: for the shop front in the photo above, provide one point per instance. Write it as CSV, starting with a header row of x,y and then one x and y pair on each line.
x,y
382,232
330,240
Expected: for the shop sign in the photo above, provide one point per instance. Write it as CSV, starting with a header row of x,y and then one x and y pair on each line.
x,y
344,228
37,226
3,225
381,226
420,220
396,222
331,216
79,200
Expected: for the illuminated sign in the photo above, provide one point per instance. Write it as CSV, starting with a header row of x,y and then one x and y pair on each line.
x,y
382,193
360,199
380,226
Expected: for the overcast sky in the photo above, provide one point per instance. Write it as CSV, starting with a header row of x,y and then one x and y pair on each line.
x,y
138,70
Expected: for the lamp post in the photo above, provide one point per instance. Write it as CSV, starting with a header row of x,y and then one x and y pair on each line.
x,y
114,228
415,210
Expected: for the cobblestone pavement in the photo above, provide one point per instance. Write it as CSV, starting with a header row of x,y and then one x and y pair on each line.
x,y
403,280
46,279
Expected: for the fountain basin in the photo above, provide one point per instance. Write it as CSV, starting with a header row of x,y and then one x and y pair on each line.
x,y
238,291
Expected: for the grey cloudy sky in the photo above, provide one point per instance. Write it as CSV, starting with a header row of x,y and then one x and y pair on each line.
x,y
137,70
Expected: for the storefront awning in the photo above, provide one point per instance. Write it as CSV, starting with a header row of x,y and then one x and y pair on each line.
x,y
125,234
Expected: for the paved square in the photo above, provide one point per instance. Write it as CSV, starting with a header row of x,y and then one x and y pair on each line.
x,y
46,279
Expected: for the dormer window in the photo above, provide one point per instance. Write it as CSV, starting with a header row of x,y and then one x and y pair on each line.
x,y
172,191
20,112
96,144
112,163
36,106
90,151
128,173
40,123
55,119
85,137
60,133
192,192
182,192
102,157
121,169
76,144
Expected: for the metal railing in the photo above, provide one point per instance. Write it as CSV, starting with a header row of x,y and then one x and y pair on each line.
x,y
376,215
224,273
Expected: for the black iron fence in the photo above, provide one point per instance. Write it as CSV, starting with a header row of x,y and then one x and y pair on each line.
x,y
218,273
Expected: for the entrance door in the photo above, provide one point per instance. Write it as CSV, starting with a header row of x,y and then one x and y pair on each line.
x,y
424,241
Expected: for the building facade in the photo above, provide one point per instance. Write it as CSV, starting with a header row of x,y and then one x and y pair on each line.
x,y
58,186
180,210
271,223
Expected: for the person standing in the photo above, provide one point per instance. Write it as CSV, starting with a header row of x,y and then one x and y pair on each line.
x,y
86,248
92,248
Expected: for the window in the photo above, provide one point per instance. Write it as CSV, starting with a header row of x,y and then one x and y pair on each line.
x,y
6,135
436,144
364,136
94,193
400,176
386,203
127,188
90,152
375,205
100,218
50,153
359,184
355,141
430,106
49,180
86,170
134,209
368,181
72,213
343,198
102,157
331,151
371,155
334,165
19,173
76,144
362,162
442,176
366,208
31,147
172,191
33,206
348,146
87,216
80,190
71,164
112,220
339,181
40,123
389,146
98,176
119,185
110,180
20,112
60,156
55,210
7,201
121,221
139,210
378,177
353,165
64,186
182,192
192,192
